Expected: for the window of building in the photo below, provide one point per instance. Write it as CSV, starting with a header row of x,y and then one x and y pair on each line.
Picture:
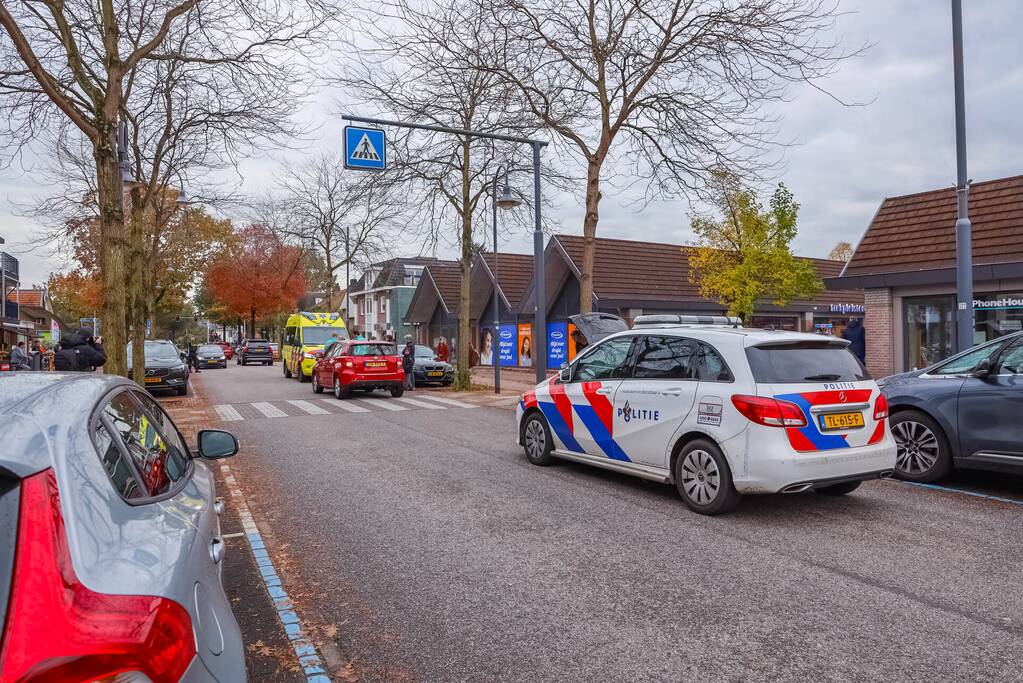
x,y
928,330
412,275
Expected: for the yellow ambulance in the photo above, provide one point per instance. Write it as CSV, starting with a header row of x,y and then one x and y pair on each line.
x,y
305,336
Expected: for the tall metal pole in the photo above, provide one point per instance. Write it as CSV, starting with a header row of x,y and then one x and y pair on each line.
x,y
539,277
964,255
497,303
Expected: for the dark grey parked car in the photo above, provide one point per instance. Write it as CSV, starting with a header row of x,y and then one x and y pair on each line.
x,y
966,411
110,547
166,368
429,370
254,351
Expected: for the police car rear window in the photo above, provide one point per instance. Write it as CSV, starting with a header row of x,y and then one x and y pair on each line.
x,y
804,362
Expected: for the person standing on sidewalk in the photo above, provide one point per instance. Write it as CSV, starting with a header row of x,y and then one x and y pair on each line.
x,y
857,337
408,362
442,350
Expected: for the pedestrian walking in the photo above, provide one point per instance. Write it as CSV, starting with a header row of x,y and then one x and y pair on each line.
x,y
80,352
193,358
408,362
856,334
19,357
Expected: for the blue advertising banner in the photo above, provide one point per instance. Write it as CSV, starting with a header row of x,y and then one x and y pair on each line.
x,y
557,345
507,337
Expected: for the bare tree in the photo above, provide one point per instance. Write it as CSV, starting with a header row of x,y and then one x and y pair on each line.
x,y
669,89
842,251
73,63
347,221
420,65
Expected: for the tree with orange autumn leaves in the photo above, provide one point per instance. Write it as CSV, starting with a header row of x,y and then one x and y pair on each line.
x,y
257,276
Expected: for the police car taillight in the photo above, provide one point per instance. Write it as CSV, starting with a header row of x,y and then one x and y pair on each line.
x,y
769,412
881,407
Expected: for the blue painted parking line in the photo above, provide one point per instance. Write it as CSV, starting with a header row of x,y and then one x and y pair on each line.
x,y
965,492
304,649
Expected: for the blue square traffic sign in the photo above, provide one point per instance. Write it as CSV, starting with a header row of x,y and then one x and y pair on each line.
x,y
365,148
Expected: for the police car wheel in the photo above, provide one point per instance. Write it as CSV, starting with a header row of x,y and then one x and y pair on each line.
x,y
704,480
922,451
536,440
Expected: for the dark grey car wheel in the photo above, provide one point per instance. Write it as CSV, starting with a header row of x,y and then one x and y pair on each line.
x,y
923,452
536,440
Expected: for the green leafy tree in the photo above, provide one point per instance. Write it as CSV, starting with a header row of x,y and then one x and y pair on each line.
x,y
743,257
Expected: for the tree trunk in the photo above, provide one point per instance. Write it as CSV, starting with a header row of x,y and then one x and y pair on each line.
x,y
252,323
138,296
589,236
330,284
113,249
463,378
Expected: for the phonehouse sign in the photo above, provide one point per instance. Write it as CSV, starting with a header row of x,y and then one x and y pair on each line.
x,y
507,336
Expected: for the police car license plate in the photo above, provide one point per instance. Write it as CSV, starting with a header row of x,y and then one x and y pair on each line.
x,y
435,373
376,364
834,421
152,380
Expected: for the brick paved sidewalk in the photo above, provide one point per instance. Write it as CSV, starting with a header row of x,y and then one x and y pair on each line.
x,y
268,654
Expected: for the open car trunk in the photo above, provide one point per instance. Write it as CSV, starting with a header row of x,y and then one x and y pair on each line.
x,y
595,326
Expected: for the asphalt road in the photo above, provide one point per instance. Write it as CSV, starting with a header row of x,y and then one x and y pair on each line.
x,y
440,554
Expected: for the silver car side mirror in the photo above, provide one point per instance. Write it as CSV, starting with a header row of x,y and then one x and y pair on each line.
x,y
216,443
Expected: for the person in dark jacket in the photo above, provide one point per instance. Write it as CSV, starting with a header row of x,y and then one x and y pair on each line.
x,y
80,352
193,358
19,357
856,334
408,362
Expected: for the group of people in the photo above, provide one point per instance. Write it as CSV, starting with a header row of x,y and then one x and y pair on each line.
x,y
78,352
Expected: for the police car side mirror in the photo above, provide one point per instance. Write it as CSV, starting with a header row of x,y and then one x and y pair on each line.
x,y
565,374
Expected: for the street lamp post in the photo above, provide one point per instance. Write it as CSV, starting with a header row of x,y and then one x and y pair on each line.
x,y
964,238
507,200
540,322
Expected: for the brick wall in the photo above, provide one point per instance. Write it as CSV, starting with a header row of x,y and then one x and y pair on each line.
x,y
879,324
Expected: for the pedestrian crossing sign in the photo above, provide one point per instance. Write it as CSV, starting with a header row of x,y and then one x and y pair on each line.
x,y
365,148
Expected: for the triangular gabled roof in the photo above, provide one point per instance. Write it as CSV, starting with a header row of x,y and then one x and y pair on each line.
x,y
439,286
916,232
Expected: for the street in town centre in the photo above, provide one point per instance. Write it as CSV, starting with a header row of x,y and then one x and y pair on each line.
x,y
417,543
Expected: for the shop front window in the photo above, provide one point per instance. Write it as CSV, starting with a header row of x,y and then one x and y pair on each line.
x,y
996,315
928,330
778,322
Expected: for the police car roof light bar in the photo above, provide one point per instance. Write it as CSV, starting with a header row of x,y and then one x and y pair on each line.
x,y
663,319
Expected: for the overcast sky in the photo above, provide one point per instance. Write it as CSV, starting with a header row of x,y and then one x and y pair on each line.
x,y
845,160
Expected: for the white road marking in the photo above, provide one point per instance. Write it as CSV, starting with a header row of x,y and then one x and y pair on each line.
x,y
309,407
345,405
384,403
228,413
449,401
419,404
268,409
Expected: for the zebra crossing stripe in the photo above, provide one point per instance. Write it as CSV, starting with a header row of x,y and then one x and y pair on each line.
x,y
449,401
269,409
345,405
384,403
309,407
228,413
419,404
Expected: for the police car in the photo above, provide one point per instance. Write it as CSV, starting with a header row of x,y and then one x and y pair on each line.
x,y
717,409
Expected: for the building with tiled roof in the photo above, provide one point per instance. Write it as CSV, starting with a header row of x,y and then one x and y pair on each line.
x,y
905,265
380,297
632,278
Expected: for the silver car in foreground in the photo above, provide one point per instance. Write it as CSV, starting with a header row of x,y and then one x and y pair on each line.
x,y
110,548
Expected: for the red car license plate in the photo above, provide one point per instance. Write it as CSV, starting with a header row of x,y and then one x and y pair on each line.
x,y
376,364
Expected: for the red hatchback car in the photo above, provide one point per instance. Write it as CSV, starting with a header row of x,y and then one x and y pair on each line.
x,y
228,350
353,364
